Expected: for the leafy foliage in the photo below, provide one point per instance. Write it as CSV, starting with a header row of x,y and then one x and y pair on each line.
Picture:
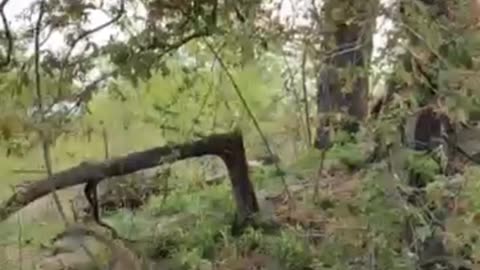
x,y
161,80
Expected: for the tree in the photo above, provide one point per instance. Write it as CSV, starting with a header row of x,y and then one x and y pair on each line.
x,y
65,75
343,79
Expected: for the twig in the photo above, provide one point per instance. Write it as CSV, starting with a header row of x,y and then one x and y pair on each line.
x,y
47,37
251,115
45,143
84,35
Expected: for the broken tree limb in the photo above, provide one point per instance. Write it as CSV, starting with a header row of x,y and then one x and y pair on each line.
x,y
228,146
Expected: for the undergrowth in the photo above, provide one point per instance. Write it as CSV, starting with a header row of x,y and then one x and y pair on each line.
x,y
360,228
357,223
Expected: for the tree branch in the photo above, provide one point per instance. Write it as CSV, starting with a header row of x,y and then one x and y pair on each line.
x,y
228,146
84,35
96,29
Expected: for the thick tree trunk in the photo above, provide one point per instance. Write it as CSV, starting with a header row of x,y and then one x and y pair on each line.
x,y
229,147
343,81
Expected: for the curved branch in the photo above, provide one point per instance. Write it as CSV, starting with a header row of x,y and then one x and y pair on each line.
x,y
3,4
228,146
8,35
96,29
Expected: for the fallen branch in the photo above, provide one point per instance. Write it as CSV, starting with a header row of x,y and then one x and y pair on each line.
x,y
228,146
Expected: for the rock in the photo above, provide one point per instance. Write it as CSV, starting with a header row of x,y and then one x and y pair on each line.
x,y
469,140
77,260
75,243
74,252
215,179
67,245
82,248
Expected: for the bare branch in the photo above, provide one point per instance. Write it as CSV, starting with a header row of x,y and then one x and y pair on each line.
x,y
84,35
96,29
3,4
87,93
170,47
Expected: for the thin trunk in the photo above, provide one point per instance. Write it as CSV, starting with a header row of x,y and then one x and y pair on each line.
x,y
306,105
105,143
246,45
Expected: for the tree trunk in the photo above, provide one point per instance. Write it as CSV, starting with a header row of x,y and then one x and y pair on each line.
x,y
247,47
342,81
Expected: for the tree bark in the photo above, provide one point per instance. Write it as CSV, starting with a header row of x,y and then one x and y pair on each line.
x,y
229,147
342,85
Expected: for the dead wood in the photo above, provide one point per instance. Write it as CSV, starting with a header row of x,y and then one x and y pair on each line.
x,y
228,146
